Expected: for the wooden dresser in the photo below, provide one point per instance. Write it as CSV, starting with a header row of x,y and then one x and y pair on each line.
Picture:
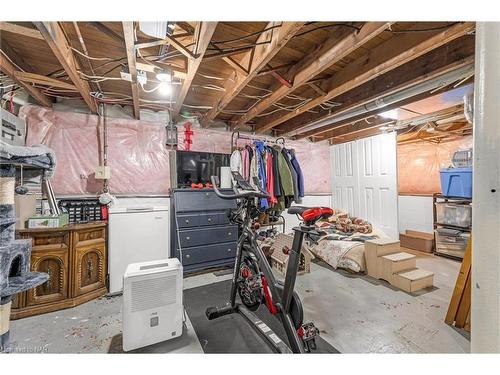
x,y
75,259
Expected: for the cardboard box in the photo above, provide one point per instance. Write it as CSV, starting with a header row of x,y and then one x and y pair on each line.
x,y
50,221
4,317
25,206
374,249
416,240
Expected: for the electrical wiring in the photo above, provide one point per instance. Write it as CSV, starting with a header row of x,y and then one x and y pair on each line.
x,y
246,36
11,61
151,90
90,57
197,106
210,87
327,26
99,78
423,30
216,78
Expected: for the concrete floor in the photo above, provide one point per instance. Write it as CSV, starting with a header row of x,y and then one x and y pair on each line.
x,y
355,314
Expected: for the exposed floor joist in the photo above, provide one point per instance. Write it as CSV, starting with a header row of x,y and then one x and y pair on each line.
x,y
20,30
56,39
325,56
256,60
128,33
451,57
203,33
43,80
370,123
386,57
10,69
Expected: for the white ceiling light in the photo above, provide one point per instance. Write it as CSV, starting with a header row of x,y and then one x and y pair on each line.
x,y
392,114
165,88
165,79
164,76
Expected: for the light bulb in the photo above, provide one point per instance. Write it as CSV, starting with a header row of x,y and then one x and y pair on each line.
x,y
165,88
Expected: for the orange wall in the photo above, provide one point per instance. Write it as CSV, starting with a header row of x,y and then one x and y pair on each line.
x,y
419,164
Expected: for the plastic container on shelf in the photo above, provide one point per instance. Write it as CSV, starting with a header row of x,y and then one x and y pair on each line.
x,y
451,242
456,182
455,214
462,158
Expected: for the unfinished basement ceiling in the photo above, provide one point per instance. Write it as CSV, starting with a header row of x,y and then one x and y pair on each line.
x,y
277,77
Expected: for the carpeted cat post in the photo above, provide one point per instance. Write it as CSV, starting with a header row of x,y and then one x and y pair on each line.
x,y
15,255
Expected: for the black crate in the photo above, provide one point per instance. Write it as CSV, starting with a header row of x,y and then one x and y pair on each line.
x,y
81,210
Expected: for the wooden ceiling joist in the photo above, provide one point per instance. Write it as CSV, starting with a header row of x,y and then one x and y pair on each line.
x,y
128,34
20,30
313,64
453,56
378,96
58,43
43,80
203,34
370,124
386,57
256,60
10,69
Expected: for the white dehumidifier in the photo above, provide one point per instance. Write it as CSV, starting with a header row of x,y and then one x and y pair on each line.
x,y
152,308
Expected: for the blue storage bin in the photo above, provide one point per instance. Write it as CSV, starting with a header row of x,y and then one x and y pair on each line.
x,y
456,182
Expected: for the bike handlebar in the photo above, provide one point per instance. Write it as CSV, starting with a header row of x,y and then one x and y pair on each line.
x,y
249,194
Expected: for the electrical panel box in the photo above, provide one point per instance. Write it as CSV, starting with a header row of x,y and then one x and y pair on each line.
x,y
102,172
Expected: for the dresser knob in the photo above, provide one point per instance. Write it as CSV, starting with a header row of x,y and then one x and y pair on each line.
x,y
228,250
188,256
187,221
229,233
188,238
209,219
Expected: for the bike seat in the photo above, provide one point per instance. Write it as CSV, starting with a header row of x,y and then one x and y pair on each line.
x,y
311,214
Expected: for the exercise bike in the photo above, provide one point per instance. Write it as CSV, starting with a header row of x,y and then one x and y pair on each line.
x,y
253,279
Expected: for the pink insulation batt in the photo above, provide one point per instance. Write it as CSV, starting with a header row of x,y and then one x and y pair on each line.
x,y
137,153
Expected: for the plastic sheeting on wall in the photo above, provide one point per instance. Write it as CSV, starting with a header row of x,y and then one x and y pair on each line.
x,y
137,154
419,164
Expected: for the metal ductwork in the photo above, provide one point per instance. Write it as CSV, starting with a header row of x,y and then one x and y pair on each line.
x,y
380,103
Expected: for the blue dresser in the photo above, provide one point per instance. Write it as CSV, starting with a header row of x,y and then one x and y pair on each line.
x,y
202,236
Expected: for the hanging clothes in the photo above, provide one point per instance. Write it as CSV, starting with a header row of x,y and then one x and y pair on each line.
x,y
235,162
285,175
250,157
270,176
298,170
245,163
295,189
260,154
277,181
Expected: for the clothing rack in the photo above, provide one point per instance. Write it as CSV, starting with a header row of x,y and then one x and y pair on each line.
x,y
236,135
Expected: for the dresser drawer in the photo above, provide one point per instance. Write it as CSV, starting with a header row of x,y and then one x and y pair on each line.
x,y
223,219
207,236
197,200
187,221
209,253
208,219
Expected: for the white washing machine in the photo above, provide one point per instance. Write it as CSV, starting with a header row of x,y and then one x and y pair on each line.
x,y
138,232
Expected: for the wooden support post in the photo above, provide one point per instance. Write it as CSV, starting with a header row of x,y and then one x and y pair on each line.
x,y
128,33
